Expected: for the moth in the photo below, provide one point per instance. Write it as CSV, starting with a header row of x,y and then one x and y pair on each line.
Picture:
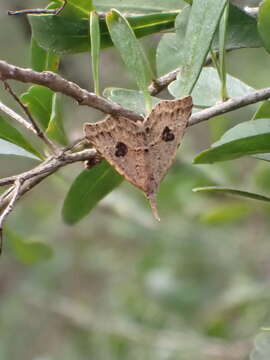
x,y
142,152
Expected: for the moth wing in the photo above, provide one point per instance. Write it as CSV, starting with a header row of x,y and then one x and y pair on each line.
x,y
120,141
165,127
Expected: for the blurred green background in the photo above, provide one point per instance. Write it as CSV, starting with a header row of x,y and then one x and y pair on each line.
x,y
119,285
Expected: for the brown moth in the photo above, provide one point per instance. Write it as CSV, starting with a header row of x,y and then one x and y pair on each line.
x,y
142,152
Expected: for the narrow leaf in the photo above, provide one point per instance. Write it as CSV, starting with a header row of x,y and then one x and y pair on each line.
x,y
131,52
55,129
225,190
129,99
206,92
170,50
226,213
44,105
203,20
139,6
241,31
9,133
247,138
95,48
39,101
29,252
42,60
263,112
91,186
222,51
74,8
63,34
7,148
264,23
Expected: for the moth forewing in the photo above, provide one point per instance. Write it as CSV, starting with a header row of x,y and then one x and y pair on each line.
x,y
142,152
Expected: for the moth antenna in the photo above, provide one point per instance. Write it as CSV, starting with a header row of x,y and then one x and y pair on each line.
x,y
153,203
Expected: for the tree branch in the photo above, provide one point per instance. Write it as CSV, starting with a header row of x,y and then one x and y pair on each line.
x,y
24,182
51,165
161,83
58,84
229,105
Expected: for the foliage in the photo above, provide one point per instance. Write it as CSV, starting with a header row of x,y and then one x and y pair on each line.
x,y
123,287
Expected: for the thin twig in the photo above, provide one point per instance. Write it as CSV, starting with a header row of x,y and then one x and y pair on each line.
x,y
11,113
74,144
51,164
26,181
9,208
162,83
38,131
38,11
230,105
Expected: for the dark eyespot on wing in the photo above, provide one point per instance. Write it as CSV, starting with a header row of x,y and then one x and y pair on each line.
x,y
121,149
167,134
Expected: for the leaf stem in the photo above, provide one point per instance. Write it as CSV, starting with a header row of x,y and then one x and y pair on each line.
x,y
222,52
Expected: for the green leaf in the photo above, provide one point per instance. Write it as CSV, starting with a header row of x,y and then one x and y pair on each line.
x,y
29,252
206,92
139,6
203,20
131,52
264,23
95,48
7,148
129,99
39,101
223,26
226,213
241,31
74,8
42,60
55,129
235,192
170,50
62,34
44,106
91,186
9,133
247,138
43,103
263,112
169,55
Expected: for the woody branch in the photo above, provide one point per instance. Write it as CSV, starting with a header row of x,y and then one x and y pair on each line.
x,y
58,84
